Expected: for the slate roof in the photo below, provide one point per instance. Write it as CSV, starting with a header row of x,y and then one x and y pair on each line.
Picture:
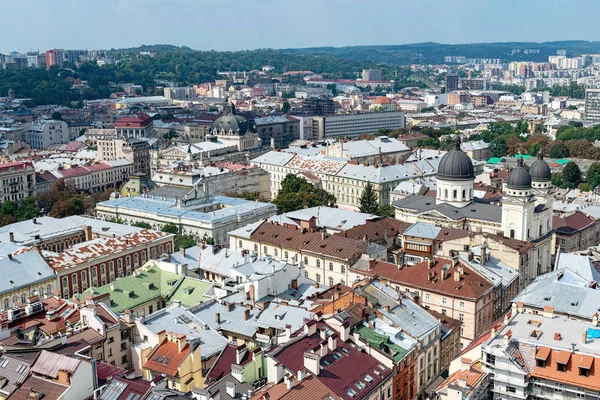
x,y
24,270
476,211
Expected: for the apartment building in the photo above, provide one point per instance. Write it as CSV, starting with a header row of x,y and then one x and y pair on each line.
x,y
575,232
135,151
134,127
17,180
96,177
44,133
277,132
354,125
592,104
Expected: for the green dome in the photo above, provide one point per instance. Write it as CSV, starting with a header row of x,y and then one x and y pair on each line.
x,y
231,122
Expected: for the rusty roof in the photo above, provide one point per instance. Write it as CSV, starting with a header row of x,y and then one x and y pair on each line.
x,y
48,364
33,385
295,238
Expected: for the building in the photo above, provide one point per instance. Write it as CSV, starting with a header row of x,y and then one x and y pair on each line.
x,y
54,58
319,106
525,213
382,150
542,356
372,75
134,127
473,84
354,125
592,104
96,177
458,97
325,258
236,130
17,180
277,132
575,232
195,213
451,83
135,151
436,284
180,93
469,382
476,150
156,101
44,133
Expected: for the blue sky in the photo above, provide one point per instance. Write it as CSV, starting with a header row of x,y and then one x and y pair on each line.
x,y
251,24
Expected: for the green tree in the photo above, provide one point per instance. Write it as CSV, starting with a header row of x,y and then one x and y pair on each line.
x,y
57,116
557,151
285,107
584,187
386,210
170,228
28,209
557,179
429,143
297,193
572,174
369,201
184,241
593,175
498,147
534,149
143,225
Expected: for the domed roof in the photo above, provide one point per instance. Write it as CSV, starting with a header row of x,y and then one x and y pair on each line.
x,y
456,165
540,171
231,121
519,177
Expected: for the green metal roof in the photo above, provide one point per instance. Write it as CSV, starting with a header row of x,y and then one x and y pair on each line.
x,y
191,292
523,156
153,283
494,160
381,342
562,161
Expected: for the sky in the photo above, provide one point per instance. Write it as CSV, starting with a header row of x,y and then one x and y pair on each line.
x,y
251,24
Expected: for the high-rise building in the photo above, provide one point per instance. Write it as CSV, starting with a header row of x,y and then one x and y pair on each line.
x,y
54,57
592,104
451,83
372,75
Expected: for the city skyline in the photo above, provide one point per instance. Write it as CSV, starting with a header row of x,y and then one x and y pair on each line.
x,y
240,25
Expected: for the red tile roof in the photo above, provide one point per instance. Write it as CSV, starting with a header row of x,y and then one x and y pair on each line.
x,y
137,121
470,285
571,224
16,166
571,375
166,358
339,374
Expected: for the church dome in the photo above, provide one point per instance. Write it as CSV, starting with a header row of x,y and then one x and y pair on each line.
x,y
540,171
456,165
519,177
231,122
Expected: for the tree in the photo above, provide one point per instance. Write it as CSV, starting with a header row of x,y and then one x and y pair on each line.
x,y
297,193
429,143
285,107
572,174
386,210
498,147
170,228
593,175
57,116
534,149
184,241
557,151
369,201
557,179
584,187
143,225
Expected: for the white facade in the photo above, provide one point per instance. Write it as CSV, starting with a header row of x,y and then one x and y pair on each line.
x,y
456,193
45,133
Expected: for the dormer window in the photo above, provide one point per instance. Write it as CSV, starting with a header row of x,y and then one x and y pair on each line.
x,y
584,371
561,367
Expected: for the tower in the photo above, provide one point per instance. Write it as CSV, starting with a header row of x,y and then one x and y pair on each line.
x,y
541,178
518,204
455,178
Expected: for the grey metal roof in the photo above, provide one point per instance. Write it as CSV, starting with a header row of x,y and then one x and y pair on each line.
x,y
24,270
424,204
493,269
456,164
423,230
278,316
579,264
232,321
539,170
327,217
519,177
177,319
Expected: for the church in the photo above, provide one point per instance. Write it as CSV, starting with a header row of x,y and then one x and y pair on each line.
x,y
525,213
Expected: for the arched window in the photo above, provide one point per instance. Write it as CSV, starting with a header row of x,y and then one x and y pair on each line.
x,y
464,194
318,278
240,244
446,193
49,289
330,281
128,261
23,298
454,194
6,304
136,259
119,265
286,255
305,260
15,300
143,257
512,233
255,248
265,250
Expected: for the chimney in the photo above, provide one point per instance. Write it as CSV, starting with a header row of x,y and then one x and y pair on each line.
x,y
323,334
507,337
493,333
584,336
323,234
230,387
218,318
246,315
312,362
301,375
88,233
182,251
11,235
595,319
387,308
430,263
181,342
548,311
456,276
289,382
372,264
35,221
9,256
332,342
345,332
239,354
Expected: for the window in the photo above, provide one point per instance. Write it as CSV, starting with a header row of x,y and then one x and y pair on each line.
x,y
6,304
318,278
136,260
74,279
561,367
343,269
512,233
540,363
426,296
119,265
23,298
461,317
255,248
444,300
461,304
123,345
305,260
318,263
240,244
464,193
331,266
94,272
443,311
454,194
510,389
330,281
111,267
286,255
275,252
446,193
265,250
143,257
584,371
124,360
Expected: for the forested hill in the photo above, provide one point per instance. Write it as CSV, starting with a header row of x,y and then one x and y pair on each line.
x,y
432,53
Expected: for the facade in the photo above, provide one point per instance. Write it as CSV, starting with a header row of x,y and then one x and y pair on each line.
x,y
575,232
17,180
42,134
95,177
354,125
236,130
277,132
372,75
135,151
451,83
592,104
134,127
382,150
